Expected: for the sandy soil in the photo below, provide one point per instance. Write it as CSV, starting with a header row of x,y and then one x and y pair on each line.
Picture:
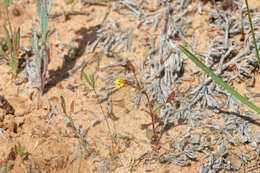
x,y
50,147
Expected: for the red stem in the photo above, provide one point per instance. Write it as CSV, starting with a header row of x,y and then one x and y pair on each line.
x,y
151,111
149,104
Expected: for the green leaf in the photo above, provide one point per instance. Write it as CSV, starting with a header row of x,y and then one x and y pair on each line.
x,y
86,78
149,134
156,107
73,53
219,80
141,84
21,150
92,79
6,3
253,34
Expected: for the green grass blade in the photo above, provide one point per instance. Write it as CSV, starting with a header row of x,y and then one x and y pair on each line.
x,y
253,33
86,78
219,80
92,79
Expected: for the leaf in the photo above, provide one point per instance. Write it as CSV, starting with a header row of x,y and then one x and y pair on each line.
x,y
38,7
130,66
73,53
42,8
92,79
6,3
141,84
34,43
86,78
149,134
170,97
253,33
219,80
21,150
43,24
156,107
33,40
35,48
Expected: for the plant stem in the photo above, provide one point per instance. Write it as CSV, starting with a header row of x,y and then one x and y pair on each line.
x,y
151,113
109,129
149,104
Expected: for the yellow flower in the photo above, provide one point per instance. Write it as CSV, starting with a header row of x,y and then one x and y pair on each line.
x,y
119,82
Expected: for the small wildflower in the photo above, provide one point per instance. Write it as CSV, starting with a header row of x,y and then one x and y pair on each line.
x,y
119,82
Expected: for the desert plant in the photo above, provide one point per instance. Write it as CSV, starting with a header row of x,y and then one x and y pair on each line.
x,y
90,79
13,41
253,33
41,52
139,85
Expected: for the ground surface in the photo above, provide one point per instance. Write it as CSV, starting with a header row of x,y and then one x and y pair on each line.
x,y
51,144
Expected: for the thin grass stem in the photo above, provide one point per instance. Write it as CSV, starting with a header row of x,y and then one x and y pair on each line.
x,y
253,33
